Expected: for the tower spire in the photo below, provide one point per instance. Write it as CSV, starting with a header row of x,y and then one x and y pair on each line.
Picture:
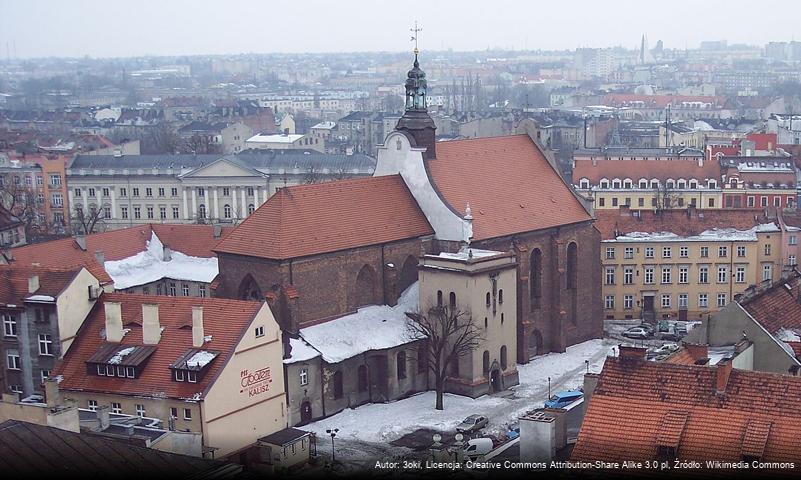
x,y
415,36
415,120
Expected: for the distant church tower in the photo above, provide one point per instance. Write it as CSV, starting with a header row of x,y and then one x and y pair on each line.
x,y
415,121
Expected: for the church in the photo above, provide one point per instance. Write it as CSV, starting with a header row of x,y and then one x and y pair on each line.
x,y
341,262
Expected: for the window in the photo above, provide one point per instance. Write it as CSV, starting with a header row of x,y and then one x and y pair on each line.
x,y
130,372
684,272
251,209
503,357
767,271
452,300
259,331
703,274
123,192
667,252
401,365
185,290
422,356
150,213
137,213
173,290
614,201
609,302
704,252
187,414
667,274
665,300
78,192
136,191
740,274
161,191
201,211
439,298
227,211
55,179
15,388
649,252
106,212
105,191
610,253
723,251
628,301
500,296
640,202
628,252
109,370
683,252
174,192
703,300
535,277
572,266
610,275
741,250
12,360
101,370
191,376
179,375
338,384
767,249
116,407
763,200
683,300
249,191
45,344
92,404
163,213
173,412
226,192
304,376
601,202
57,199
721,299
777,201
201,192
649,275
124,211
750,201
723,273
44,374
175,214
791,260
201,291
140,410
39,180
9,325
148,192
628,275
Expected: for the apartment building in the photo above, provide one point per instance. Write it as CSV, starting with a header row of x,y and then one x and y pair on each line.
x,y
684,264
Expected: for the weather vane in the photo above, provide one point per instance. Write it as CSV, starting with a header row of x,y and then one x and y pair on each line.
x,y
416,32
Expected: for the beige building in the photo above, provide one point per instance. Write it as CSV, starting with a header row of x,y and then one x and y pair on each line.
x,y
482,285
683,265
285,142
203,365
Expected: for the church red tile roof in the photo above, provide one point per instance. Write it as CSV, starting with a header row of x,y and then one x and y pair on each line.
x,y
683,222
326,217
510,185
225,320
777,307
195,240
639,406
661,170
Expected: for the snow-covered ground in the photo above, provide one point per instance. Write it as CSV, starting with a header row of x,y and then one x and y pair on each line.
x,y
371,427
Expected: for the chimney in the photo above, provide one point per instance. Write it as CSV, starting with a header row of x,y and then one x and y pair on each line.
x,y
722,373
167,253
631,354
33,283
217,230
590,382
100,256
537,437
102,414
697,351
81,241
52,394
151,328
113,321
197,327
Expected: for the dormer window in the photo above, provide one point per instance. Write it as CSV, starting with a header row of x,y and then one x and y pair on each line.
x,y
121,361
192,365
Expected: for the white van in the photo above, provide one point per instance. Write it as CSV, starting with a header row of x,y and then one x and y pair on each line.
x,y
476,447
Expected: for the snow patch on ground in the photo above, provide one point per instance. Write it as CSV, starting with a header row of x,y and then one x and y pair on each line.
x,y
150,266
376,327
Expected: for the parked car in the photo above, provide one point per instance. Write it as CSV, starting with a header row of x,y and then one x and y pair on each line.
x,y
477,447
513,431
563,399
638,332
662,351
472,424
648,327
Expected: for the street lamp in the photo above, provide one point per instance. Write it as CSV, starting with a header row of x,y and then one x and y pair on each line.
x,y
333,434
549,387
459,437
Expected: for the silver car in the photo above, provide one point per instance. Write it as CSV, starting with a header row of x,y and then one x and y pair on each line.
x,y
472,424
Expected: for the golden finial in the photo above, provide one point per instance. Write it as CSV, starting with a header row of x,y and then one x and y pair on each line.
x,y
416,32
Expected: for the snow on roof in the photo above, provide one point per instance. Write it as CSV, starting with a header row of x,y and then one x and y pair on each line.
x,y
727,234
40,298
200,359
716,354
786,335
376,327
300,351
150,266
325,125
702,126
117,358
464,254
259,138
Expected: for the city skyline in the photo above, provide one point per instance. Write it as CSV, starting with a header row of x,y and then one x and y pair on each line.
x,y
171,29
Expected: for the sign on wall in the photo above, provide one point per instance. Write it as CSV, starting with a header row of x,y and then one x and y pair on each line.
x,y
255,383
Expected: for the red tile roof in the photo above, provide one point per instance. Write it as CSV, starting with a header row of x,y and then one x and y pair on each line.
x,y
682,222
777,307
510,185
196,240
637,404
223,319
14,283
327,217
662,170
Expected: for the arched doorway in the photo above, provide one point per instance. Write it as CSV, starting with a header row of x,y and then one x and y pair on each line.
x,y
305,412
408,273
535,344
495,380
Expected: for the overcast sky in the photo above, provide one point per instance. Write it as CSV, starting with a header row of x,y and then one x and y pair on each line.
x,y
113,28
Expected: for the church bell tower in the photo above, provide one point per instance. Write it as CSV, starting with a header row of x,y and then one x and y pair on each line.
x,y
415,121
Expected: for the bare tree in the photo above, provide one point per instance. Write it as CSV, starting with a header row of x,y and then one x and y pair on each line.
x,y
665,197
313,175
84,223
341,174
201,144
25,205
448,334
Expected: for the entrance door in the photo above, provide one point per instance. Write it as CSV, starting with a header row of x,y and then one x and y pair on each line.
x,y
495,380
305,412
648,308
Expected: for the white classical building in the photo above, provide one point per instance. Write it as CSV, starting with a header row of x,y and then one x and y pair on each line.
x,y
140,189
